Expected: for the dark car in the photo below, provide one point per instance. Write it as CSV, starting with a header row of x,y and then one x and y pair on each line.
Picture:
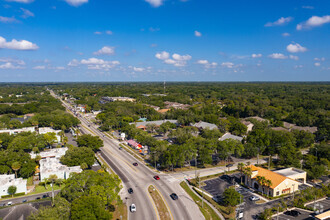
x,y
225,177
37,198
174,196
130,190
229,165
135,164
156,177
45,196
294,213
25,200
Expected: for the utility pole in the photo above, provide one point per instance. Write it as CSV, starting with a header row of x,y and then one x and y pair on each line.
x,y
199,183
292,193
195,167
269,162
278,207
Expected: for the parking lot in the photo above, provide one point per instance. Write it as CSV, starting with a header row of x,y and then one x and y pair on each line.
x,y
216,187
304,215
321,206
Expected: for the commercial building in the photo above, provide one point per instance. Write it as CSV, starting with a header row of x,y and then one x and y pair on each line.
x,y
46,130
278,185
9,180
113,99
143,124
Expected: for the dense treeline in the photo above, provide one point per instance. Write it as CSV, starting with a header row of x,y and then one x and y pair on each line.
x,y
305,104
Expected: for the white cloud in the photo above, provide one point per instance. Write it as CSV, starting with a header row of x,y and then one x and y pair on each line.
x,y
73,62
307,7
177,59
319,59
138,69
298,66
314,21
162,55
92,61
21,1
207,64
286,34
105,51
292,57
8,20
155,3
277,56
60,68
151,29
317,64
280,21
39,67
109,32
10,60
76,3
17,45
198,34
27,13
10,66
296,48
97,32
256,55
227,64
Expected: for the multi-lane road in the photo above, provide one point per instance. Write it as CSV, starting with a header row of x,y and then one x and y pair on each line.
x,y
139,178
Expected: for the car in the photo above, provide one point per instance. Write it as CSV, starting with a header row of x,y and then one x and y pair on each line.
x,y
130,190
174,196
10,203
135,164
293,213
156,177
133,208
328,198
254,198
229,165
24,200
37,198
120,148
45,196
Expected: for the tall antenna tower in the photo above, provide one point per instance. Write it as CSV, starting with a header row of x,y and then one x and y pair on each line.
x,y
164,87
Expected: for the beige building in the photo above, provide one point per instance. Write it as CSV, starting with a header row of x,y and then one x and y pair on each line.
x,y
280,184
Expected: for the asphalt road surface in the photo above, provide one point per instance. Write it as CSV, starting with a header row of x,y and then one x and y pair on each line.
x,y
139,178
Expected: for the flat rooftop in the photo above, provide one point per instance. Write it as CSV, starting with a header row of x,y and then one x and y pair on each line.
x,y
289,172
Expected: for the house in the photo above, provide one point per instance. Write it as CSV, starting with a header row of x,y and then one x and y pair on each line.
x,y
248,124
176,105
50,164
9,180
291,127
205,125
24,118
134,144
230,136
162,111
280,184
17,131
279,129
46,130
143,124
258,119
81,108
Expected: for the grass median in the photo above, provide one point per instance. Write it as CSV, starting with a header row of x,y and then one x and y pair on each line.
x,y
206,210
163,212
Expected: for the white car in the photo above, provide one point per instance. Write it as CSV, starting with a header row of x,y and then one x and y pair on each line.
x,y
9,203
133,208
254,198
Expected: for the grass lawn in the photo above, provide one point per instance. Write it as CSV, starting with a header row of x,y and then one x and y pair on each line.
x,y
206,210
42,189
120,212
163,212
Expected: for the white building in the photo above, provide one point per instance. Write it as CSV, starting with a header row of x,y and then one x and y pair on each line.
x,y
9,180
230,136
46,130
50,164
293,173
17,131
55,153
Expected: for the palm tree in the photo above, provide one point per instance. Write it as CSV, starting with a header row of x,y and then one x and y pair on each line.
x,y
52,178
261,180
268,184
248,172
240,167
16,166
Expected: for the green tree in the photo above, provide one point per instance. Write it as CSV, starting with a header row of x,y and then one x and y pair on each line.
x,y
87,140
12,190
75,156
84,166
52,178
231,197
240,167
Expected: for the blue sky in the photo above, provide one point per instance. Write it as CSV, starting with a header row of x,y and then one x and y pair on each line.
x,y
172,40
